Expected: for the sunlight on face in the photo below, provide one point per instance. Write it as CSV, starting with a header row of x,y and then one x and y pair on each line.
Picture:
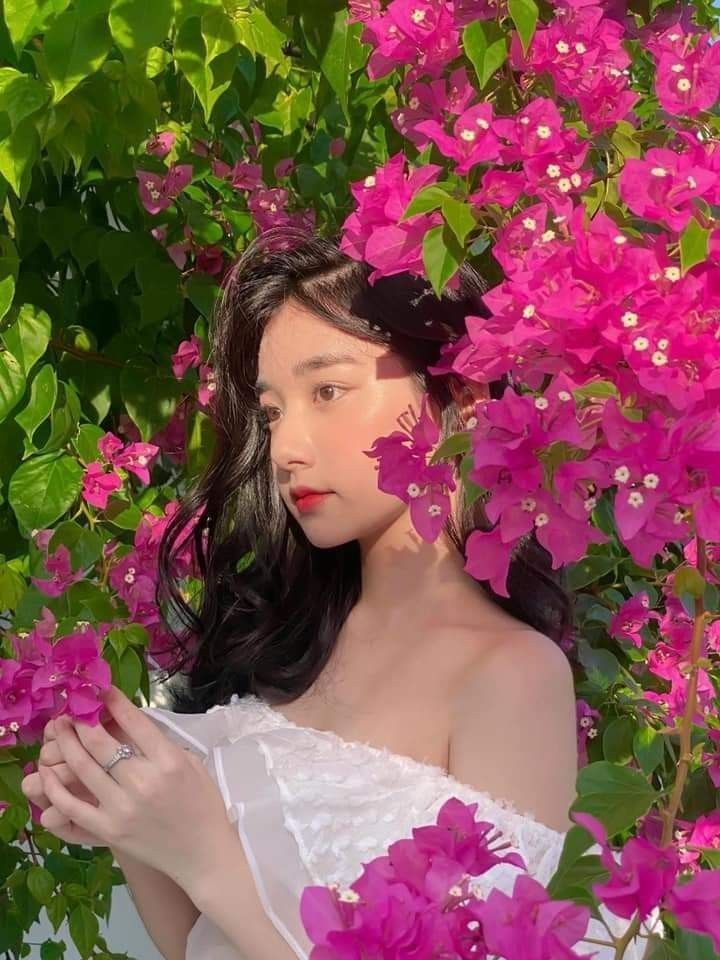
x,y
320,420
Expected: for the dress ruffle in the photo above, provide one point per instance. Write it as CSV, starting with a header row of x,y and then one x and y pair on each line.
x,y
311,808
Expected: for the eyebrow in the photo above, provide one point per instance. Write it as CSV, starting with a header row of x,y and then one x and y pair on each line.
x,y
318,362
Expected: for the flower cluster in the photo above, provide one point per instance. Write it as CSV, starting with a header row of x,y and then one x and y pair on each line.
x,y
423,893
99,482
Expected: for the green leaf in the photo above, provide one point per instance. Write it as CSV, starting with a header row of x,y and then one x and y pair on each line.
x,y
43,488
596,390
451,447
459,217
119,252
43,392
64,419
195,44
150,395
88,601
12,587
261,37
27,338
11,777
136,27
84,929
86,442
201,441
589,570
202,292
20,94
26,17
18,154
425,200
130,672
486,46
75,47
159,283
693,245
695,946
618,740
56,911
617,796
335,44
659,948
648,747
524,14
40,883
602,666
85,545
58,226
442,256
12,383
688,579
7,292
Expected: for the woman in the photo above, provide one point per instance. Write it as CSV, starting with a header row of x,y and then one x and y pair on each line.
x,y
346,676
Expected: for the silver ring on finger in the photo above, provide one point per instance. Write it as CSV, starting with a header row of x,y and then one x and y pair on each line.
x,y
123,752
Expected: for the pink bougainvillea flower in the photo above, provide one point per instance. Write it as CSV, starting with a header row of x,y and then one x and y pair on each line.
x,y
587,729
687,78
160,144
663,184
421,32
374,232
158,192
206,385
631,617
58,564
529,923
488,558
473,140
242,176
439,100
137,458
99,485
403,471
188,354
210,260
283,168
695,904
75,673
642,878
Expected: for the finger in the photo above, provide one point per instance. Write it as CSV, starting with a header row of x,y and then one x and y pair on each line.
x,y
33,788
85,815
140,728
50,753
69,780
49,731
66,830
86,756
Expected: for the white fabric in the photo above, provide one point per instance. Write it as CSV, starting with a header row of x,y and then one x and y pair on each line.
x,y
311,808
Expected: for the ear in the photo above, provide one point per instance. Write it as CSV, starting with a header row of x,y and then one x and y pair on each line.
x,y
466,394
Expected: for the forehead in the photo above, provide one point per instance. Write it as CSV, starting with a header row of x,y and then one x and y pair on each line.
x,y
294,333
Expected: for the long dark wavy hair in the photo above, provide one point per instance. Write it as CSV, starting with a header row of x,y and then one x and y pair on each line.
x,y
271,604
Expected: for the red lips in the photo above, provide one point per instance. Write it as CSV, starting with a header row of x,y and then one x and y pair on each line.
x,y
300,492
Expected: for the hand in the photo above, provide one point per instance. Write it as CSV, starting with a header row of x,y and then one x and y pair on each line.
x,y
160,807
33,787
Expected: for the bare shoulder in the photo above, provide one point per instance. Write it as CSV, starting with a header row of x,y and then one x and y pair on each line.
x,y
513,724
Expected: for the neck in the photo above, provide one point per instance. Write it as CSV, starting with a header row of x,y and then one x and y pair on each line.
x,y
404,575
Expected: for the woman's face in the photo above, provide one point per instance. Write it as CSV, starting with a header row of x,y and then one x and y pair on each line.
x,y
321,418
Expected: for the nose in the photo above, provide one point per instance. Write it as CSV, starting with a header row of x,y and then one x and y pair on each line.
x,y
291,442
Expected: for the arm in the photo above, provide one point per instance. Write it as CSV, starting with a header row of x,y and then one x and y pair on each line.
x,y
166,911
229,898
514,728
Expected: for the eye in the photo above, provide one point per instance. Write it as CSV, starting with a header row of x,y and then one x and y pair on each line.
x,y
265,410
327,386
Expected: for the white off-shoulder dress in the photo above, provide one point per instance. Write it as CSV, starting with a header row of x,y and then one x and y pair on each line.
x,y
312,807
